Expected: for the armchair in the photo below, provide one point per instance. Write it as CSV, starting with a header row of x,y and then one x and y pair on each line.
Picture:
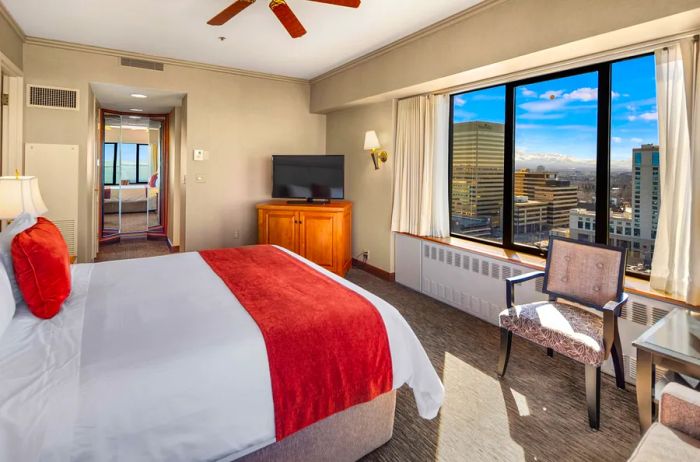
x,y
677,434
576,274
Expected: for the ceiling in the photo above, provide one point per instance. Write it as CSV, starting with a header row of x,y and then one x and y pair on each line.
x,y
255,40
118,98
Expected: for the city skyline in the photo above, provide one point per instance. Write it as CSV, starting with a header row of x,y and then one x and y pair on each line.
x,y
556,119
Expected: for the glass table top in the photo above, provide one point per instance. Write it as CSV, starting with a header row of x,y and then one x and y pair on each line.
x,y
677,335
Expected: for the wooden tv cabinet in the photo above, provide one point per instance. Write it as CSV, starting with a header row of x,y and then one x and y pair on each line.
x,y
321,233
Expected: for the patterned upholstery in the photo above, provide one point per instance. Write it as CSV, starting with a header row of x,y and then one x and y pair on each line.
x,y
567,329
585,273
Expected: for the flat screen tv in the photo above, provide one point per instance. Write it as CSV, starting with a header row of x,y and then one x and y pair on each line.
x,y
308,177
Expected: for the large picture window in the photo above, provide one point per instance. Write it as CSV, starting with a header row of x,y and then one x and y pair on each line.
x,y
571,154
134,165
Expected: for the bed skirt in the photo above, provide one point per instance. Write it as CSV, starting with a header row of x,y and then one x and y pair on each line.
x,y
343,437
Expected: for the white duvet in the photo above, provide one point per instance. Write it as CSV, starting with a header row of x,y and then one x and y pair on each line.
x,y
155,359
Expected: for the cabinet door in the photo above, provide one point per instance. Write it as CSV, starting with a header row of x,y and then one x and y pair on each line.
x,y
280,228
316,236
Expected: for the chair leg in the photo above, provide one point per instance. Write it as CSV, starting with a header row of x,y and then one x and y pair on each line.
x,y
617,359
593,395
550,352
504,354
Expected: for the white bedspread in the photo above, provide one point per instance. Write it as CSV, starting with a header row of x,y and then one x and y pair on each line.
x,y
155,359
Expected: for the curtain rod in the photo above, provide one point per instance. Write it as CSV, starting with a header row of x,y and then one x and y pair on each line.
x,y
593,58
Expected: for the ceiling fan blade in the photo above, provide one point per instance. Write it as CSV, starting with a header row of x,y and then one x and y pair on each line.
x,y
228,13
348,3
287,18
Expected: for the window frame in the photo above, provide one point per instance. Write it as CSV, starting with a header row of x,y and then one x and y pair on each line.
x,y
603,155
114,168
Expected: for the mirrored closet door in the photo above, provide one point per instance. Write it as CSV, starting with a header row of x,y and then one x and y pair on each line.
x,y
133,167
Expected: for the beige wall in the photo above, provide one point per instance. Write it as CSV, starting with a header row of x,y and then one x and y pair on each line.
x,y
10,41
369,189
240,120
499,32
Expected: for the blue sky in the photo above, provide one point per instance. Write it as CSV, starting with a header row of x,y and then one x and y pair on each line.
x,y
556,119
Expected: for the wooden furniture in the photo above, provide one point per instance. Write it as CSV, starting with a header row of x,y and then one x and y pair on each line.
x,y
321,233
586,274
672,343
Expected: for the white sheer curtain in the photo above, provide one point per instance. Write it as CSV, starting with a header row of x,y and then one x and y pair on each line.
x,y
441,198
676,262
420,180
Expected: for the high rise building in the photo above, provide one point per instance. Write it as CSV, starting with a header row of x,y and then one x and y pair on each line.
x,y
635,228
477,170
526,181
561,196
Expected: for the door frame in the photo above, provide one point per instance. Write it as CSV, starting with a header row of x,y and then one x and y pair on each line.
x,y
158,232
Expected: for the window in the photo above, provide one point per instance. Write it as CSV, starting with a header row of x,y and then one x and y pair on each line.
x,y
571,154
126,161
477,164
109,163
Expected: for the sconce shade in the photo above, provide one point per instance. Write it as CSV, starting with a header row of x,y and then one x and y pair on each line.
x,y
371,141
20,194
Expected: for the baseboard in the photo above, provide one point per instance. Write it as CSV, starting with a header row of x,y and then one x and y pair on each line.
x,y
173,248
373,270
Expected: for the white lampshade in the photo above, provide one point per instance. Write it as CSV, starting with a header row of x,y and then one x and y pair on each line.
x,y
371,141
20,195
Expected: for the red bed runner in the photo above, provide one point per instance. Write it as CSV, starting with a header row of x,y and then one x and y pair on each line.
x,y
327,346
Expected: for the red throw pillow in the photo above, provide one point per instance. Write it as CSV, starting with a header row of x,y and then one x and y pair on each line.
x,y
42,268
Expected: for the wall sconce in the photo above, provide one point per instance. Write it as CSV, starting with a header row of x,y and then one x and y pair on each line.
x,y
372,144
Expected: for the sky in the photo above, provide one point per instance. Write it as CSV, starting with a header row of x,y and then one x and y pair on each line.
x,y
556,119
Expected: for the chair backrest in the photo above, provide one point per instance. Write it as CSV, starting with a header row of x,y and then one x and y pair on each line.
x,y
589,274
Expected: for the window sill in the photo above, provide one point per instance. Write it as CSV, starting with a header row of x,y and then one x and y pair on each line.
x,y
633,285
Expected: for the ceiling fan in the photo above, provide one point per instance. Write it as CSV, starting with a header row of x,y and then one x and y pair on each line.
x,y
280,9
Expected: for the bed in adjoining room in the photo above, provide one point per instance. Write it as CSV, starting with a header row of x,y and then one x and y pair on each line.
x,y
214,355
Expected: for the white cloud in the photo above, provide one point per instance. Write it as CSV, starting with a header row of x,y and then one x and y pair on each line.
x,y
558,162
636,140
527,92
646,116
616,139
459,101
615,95
583,94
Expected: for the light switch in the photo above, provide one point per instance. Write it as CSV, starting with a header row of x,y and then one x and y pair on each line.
x,y
199,154
199,178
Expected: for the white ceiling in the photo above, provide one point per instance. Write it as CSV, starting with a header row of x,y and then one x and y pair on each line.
x,y
118,98
255,41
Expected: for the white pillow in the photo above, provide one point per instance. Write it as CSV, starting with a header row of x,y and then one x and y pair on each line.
x,y
22,222
7,301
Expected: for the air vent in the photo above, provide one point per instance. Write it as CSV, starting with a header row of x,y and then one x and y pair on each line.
x,y
426,251
465,262
657,314
495,271
539,284
142,64
449,257
53,97
639,313
506,272
475,265
458,260
484,268
433,253
441,254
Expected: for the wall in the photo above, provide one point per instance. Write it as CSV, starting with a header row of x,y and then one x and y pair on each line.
x,y
10,39
369,189
495,33
240,120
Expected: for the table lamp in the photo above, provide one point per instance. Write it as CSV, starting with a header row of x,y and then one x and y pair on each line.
x,y
20,194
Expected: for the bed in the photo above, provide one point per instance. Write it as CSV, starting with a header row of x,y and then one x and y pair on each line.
x,y
132,198
155,359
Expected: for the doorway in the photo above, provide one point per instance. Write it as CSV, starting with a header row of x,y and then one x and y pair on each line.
x,y
133,176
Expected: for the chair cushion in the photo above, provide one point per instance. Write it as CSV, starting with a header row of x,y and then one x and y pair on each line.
x,y
662,444
567,329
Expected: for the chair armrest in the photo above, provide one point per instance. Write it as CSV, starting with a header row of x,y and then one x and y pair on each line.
x,y
679,409
616,306
510,284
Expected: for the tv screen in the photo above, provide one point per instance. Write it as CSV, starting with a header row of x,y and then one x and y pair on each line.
x,y
308,177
